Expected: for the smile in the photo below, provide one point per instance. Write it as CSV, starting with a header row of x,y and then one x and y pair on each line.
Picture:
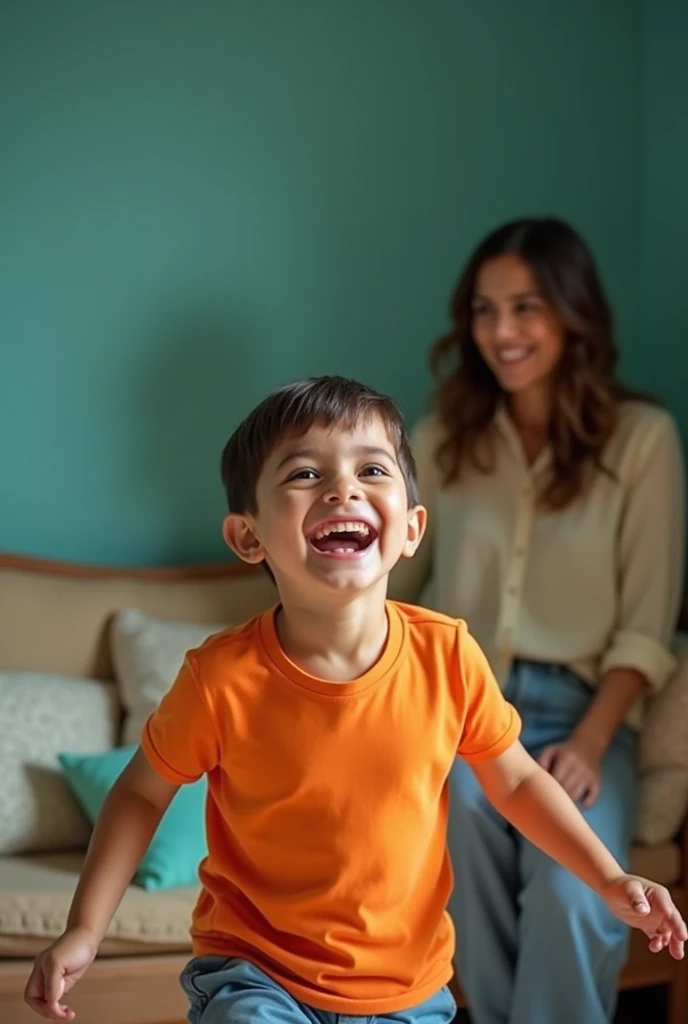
x,y
342,538
513,354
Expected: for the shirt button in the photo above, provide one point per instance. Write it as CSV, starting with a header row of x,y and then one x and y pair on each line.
x,y
520,552
512,591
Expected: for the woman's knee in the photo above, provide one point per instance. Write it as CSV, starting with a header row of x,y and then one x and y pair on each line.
x,y
555,897
552,887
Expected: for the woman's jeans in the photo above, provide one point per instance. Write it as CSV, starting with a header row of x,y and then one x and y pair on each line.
x,y
535,945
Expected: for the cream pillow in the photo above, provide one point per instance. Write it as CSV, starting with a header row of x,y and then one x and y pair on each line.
x,y
147,655
43,715
663,756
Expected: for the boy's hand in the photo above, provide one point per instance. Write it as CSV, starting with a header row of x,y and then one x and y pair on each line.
x,y
643,904
56,970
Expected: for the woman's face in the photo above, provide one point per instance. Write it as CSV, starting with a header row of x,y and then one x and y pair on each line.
x,y
518,334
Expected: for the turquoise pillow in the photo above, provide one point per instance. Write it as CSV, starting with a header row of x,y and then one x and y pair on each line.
x,y
178,845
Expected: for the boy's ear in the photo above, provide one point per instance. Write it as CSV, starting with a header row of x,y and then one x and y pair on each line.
x,y
417,521
240,535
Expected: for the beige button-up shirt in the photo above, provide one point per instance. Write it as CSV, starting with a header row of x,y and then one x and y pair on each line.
x,y
595,586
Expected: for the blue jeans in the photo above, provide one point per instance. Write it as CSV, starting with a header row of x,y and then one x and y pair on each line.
x,y
535,945
233,991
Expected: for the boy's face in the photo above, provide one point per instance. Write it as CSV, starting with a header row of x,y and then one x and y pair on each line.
x,y
332,511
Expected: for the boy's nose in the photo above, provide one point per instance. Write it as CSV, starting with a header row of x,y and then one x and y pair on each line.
x,y
344,489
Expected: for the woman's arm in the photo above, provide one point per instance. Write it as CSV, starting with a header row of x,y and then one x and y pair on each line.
x,y
614,698
650,561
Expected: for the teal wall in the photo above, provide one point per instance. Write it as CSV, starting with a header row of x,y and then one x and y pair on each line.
x,y
199,202
662,353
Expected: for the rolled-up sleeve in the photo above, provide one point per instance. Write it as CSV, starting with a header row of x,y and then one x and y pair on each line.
x,y
651,558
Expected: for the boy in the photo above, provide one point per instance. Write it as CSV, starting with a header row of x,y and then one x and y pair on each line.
x,y
327,728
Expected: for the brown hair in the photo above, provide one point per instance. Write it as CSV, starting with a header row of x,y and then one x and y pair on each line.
x,y
292,410
587,391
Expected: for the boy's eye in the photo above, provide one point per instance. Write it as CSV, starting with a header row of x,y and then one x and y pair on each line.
x,y
373,471
304,474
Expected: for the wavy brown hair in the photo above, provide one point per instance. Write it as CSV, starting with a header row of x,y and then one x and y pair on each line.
x,y
587,391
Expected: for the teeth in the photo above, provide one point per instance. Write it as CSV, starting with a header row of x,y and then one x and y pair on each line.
x,y
512,355
341,527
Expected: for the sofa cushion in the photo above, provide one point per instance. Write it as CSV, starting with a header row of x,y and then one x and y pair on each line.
x,y
661,863
147,654
663,756
35,893
54,617
43,714
178,845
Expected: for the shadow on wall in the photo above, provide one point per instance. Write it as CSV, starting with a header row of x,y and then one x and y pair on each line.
x,y
201,378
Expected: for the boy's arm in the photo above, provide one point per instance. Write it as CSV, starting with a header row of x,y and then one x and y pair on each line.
x,y
536,805
123,831
122,834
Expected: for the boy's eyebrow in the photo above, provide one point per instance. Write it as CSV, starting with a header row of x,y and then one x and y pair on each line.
x,y
361,449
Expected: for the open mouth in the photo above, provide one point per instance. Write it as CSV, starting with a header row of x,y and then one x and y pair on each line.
x,y
514,354
343,537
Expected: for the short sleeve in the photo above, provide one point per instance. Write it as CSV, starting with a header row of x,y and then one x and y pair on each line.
x,y
180,738
491,724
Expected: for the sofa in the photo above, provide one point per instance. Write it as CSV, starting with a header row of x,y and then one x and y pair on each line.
x,y
84,652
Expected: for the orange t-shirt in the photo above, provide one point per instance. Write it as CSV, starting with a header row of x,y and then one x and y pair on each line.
x,y
326,817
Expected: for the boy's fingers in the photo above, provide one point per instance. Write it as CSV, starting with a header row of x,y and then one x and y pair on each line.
x,y
34,986
56,1011
61,1012
679,927
44,990
53,1011
674,923
35,992
677,934
671,933
637,898
53,983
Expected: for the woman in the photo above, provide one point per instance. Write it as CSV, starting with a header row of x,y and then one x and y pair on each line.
x,y
556,529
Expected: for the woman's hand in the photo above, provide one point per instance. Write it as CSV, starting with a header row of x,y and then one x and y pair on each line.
x,y
576,767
